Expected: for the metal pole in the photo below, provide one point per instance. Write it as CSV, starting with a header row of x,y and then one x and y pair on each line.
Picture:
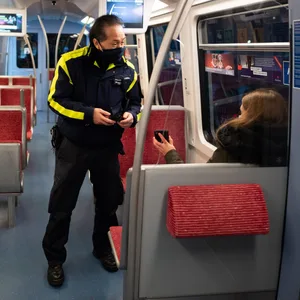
x,y
22,98
181,11
48,55
26,39
81,34
58,38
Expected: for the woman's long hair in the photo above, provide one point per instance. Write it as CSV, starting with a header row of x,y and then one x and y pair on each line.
x,y
261,106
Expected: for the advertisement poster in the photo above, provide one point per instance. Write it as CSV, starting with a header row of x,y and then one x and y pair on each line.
x,y
242,35
219,63
268,68
286,72
174,58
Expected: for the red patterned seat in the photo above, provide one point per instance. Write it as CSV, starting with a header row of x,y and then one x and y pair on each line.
x,y
175,125
26,81
11,127
217,210
11,96
4,81
126,161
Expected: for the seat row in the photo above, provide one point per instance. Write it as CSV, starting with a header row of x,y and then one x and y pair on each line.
x,y
194,224
17,119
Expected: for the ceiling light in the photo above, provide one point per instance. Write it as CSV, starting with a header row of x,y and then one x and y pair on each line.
x,y
159,5
87,20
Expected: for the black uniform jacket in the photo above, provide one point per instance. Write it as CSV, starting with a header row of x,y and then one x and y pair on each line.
x,y
80,85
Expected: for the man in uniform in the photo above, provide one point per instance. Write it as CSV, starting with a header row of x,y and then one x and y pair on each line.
x,y
96,94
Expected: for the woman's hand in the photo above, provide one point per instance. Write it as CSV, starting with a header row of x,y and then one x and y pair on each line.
x,y
165,146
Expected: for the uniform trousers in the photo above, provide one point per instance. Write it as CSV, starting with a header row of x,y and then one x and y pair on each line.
x,y
71,165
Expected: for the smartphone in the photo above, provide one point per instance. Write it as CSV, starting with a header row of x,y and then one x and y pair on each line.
x,y
165,134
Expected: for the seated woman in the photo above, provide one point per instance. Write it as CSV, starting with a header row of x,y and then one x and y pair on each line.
x,y
258,136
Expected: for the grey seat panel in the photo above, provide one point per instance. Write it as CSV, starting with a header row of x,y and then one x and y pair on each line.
x,y
171,267
10,161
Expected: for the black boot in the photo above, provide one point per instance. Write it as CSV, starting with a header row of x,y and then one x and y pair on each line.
x,y
107,260
56,275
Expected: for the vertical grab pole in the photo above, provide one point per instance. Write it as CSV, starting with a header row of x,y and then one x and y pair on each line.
x,y
27,42
48,55
22,98
58,38
57,45
130,286
81,34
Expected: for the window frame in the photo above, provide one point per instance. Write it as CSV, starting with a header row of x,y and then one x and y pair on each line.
x,y
36,58
207,110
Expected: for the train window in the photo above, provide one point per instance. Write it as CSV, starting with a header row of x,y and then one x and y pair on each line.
x,y
262,26
131,51
66,43
228,72
169,91
23,54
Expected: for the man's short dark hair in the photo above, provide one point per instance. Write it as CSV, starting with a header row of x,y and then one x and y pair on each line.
x,y
98,29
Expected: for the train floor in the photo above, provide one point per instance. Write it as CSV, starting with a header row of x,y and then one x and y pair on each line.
x,y
22,263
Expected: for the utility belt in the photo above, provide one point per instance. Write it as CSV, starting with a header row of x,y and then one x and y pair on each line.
x,y
56,138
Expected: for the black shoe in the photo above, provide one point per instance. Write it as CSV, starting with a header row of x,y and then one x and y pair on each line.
x,y
56,275
107,260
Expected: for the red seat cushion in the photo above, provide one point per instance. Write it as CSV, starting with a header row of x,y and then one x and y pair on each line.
x,y
26,81
116,238
174,122
10,126
214,210
4,80
12,97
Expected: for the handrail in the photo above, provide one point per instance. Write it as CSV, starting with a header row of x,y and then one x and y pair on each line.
x,y
22,98
26,39
58,38
48,56
131,290
268,47
81,34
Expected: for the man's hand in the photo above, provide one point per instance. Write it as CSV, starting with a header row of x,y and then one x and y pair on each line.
x,y
127,120
101,117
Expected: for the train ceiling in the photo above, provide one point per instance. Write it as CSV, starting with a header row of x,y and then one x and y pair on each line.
x,y
76,10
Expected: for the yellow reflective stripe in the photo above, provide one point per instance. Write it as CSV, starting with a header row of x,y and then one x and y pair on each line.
x,y
111,66
133,82
139,116
55,105
129,64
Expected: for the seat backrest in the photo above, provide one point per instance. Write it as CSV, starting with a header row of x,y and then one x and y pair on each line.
x,y
129,142
10,95
51,74
4,80
25,81
168,267
172,119
13,127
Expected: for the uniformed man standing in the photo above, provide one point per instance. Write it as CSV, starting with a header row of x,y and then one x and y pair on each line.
x,y
96,94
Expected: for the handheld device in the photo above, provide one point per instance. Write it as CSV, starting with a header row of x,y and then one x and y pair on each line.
x,y
165,134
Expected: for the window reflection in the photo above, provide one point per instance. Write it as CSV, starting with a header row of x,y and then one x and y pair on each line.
x,y
23,53
66,43
226,76
170,76
265,26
